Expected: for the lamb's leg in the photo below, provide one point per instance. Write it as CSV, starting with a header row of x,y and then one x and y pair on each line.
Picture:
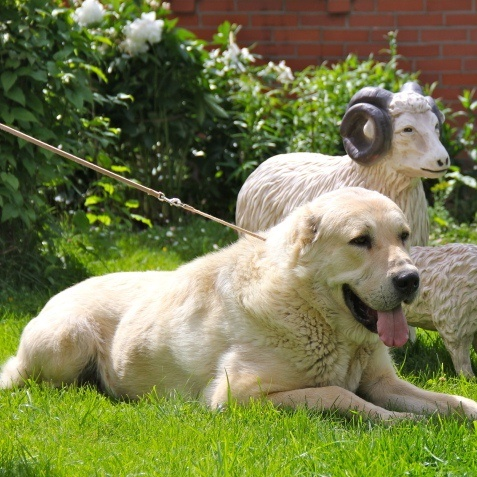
x,y
460,354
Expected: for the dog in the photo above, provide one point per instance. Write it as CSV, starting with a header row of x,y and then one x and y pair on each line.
x,y
304,318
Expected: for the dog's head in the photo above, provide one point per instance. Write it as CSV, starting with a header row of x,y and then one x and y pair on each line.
x,y
349,248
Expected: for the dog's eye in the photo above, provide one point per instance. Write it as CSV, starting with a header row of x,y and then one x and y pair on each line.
x,y
404,236
361,241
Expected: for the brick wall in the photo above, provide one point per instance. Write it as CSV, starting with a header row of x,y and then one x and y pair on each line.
x,y
436,37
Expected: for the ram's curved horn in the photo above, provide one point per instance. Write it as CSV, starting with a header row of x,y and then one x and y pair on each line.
x,y
368,105
413,86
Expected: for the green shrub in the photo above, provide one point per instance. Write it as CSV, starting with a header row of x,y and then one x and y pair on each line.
x,y
171,98
49,69
270,111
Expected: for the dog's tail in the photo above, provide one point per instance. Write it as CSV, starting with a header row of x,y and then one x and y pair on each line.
x,y
60,353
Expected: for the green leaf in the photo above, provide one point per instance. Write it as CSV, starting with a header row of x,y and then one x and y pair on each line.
x,y
141,219
9,211
75,98
7,115
8,79
132,204
37,75
24,115
35,103
16,94
92,200
97,71
80,221
104,219
120,169
10,179
108,187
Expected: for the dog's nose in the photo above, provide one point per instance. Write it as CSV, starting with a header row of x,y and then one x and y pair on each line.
x,y
406,282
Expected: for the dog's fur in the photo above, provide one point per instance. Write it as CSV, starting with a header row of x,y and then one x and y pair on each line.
x,y
255,320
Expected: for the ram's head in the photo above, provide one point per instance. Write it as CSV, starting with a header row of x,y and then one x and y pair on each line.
x,y
402,128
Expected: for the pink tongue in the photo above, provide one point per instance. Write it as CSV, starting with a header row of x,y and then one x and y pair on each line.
x,y
392,327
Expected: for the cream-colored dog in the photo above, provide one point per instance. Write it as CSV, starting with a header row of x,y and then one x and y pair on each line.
x,y
304,318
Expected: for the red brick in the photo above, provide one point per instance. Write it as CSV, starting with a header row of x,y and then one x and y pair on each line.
x,y
255,34
339,6
280,50
323,19
456,19
451,5
469,64
274,20
429,78
305,5
321,50
188,21
443,35
260,5
363,6
298,64
439,64
401,6
415,51
215,5
215,19
463,49
345,35
460,79
372,20
294,35
182,6
419,20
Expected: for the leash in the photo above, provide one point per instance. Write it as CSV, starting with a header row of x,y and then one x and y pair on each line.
x,y
158,195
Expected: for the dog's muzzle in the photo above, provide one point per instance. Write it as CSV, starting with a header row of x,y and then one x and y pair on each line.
x,y
406,284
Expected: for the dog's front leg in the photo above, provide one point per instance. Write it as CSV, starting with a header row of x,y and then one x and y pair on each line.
x,y
334,398
394,393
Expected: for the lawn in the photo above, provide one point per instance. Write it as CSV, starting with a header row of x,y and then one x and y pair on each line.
x,y
79,432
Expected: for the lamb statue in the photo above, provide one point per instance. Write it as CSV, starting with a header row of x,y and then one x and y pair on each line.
x,y
447,299
392,141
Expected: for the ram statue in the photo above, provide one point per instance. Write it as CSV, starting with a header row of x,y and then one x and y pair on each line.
x,y
391,140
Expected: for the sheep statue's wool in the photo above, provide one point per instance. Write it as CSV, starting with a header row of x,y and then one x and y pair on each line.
x,y
447,302
392,141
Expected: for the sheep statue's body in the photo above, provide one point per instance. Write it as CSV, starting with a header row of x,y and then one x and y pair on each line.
x,y
392,141
447,302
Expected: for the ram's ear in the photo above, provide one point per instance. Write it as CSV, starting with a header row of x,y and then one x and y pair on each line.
x,y
413,86
440,115
366,127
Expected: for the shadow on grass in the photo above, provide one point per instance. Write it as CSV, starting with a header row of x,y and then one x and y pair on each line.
x,y
427,357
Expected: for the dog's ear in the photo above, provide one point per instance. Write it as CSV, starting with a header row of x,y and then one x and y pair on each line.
x,y
309,230
305,233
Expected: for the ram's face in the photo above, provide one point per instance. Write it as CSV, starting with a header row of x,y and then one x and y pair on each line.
x,y
416,149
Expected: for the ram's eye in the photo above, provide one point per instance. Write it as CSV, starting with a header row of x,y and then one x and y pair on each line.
x,y
437,128
408,130
404,236
361,241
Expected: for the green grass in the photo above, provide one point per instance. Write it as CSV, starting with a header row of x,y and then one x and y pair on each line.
x,y
79,432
